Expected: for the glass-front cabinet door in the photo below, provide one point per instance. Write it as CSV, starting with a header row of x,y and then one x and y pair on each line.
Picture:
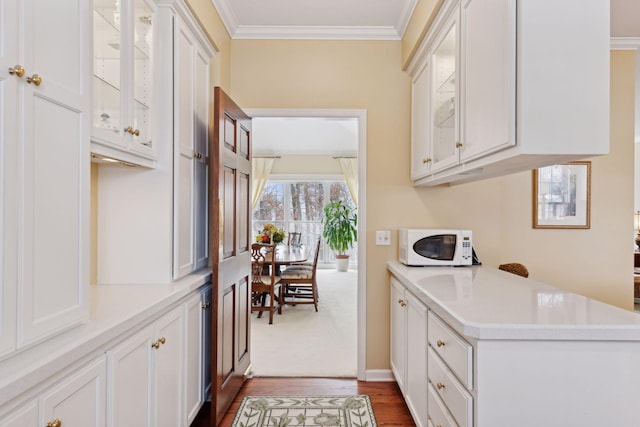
x,y
444,111
142,73
107,60
123,79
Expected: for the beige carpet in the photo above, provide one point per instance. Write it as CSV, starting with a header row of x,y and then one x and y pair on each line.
x,y
301,342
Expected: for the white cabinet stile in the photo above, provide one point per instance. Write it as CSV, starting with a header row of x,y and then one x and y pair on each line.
x,y
45,171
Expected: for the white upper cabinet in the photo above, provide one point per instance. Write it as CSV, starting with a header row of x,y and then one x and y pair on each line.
x,y
123,80
514,86
191,153
45,102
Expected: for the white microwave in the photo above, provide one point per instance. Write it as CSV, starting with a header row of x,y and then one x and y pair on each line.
x,y
435,247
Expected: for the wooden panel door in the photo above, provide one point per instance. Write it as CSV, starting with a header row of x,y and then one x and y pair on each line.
x,y
230,173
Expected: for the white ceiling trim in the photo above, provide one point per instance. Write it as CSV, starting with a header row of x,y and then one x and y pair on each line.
x,y
622,43
315,33
226,14
408,6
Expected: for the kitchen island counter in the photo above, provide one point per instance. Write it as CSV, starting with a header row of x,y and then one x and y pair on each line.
x,y
487,303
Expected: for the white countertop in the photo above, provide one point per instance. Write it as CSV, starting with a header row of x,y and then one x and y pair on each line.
x,y
487,303
114,311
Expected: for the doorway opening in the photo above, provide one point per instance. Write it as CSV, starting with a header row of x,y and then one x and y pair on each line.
x,y
319,144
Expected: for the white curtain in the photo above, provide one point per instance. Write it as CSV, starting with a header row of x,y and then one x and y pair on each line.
x,y
350,171
260,170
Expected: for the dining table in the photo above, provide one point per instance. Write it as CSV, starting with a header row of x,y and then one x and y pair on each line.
x,y
287,255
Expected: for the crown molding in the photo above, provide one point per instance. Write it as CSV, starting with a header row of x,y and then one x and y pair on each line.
x,y
315,33
226,14
408,6
625,43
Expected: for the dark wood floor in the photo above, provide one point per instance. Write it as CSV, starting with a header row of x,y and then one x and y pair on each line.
x,y
388,405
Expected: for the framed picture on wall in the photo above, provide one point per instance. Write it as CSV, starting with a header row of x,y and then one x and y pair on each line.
x,y
562,196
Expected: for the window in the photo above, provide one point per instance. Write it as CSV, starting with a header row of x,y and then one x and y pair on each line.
x,y
298,206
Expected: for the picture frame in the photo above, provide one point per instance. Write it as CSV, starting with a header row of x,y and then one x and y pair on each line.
x,y
562,195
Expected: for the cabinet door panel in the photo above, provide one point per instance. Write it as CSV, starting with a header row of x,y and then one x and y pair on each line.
x,y
184,260
398,334
201,174
168,370
444,121
420,124
195,310
55,172
80,400
130,376
488,77
416,384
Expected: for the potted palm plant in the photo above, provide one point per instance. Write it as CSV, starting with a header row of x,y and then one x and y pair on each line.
x,y
340,231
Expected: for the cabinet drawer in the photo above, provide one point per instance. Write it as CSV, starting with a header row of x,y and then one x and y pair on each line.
x,y
439,415
454,351
452,392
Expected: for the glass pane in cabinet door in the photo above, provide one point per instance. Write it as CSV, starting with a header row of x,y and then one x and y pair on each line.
x,y
143,77
106,65
444,98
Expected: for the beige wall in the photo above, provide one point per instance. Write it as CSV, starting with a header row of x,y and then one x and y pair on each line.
x,y
368,75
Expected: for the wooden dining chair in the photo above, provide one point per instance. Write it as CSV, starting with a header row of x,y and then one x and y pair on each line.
x,y
299,282
295,238
264,282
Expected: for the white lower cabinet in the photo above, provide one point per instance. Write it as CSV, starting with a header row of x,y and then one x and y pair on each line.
x,y
409,343
76,401
433,366
146,375
197,381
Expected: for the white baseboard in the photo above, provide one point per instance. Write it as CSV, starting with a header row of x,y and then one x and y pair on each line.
x,y
379,375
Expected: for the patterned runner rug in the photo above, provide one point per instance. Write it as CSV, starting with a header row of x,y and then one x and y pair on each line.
x,y
305,411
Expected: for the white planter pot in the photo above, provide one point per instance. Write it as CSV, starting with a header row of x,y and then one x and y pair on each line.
x,y
342,262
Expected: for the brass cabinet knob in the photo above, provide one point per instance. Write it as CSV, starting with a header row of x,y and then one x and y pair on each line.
x,y
35,79
136,132
402,303
206,305
439,386
440,343
426,160
128,129
18,70
162,340
156,344
54,423
458,144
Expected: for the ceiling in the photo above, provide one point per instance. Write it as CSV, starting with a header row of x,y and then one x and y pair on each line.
x,y
317,19
339,19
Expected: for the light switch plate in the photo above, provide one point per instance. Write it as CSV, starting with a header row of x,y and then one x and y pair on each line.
x,y
383,238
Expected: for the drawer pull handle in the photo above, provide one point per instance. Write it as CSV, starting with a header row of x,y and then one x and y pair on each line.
x,y
156,345
162,340
439,386
54,423
440,343
18,70
35,79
